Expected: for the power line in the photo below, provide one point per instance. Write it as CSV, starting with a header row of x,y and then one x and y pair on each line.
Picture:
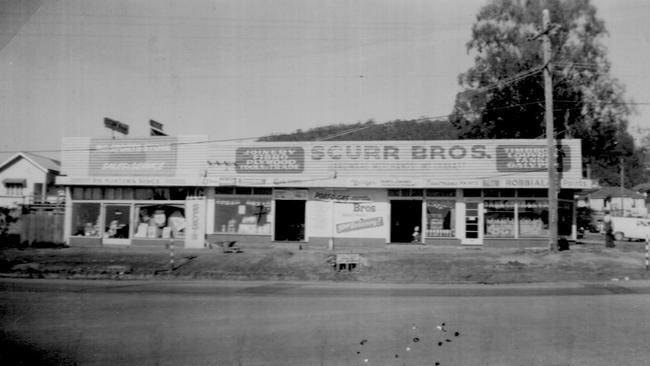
x,y
338,134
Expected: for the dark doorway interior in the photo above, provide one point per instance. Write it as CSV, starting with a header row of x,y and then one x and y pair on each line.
x,y
289,220
404,217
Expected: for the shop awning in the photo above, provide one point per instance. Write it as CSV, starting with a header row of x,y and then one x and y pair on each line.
x,y
14,181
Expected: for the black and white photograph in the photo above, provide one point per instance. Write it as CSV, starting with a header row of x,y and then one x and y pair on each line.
x,y
325,182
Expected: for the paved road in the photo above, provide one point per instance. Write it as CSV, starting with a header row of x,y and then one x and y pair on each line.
x,y
286,323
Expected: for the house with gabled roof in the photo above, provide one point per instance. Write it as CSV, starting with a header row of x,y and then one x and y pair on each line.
x,y
620,202
27,178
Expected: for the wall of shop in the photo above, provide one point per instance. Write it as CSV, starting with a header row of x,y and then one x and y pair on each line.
x,y
136,191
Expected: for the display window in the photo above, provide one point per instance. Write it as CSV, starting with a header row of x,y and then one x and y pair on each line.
x,y
440,218
138,193
242,215
117,221
499,219
159,221
85,219
533,219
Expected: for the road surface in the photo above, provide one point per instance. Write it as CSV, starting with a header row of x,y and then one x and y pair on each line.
x,y
58,322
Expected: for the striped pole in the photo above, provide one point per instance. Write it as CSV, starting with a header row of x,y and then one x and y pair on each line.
x,y
647,252
171,255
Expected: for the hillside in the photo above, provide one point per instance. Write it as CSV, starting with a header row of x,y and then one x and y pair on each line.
x,y
418,129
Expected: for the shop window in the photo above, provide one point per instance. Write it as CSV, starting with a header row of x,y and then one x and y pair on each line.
x,y
117,221
500,219
257,191
242,215
77,193
472,193
178,193
440,192
161,194
159,222
224,190
498,193
440,219
125,194
143,194
532,193
566,194
533,219
244,190
87,193
85,219
109,194
262,191
406,192
97,193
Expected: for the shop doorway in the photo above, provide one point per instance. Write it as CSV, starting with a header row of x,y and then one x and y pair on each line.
x,y
405,216
473,223
289,220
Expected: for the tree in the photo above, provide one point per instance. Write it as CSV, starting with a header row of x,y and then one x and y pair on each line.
x,y
503,93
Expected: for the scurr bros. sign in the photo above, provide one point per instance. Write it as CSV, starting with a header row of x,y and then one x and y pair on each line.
x,y
396,163
390,152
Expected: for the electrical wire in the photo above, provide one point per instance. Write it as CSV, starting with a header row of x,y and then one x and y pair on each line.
x,y
338,134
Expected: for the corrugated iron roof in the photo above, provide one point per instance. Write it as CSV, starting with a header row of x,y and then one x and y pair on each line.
x,y
605,192
43,162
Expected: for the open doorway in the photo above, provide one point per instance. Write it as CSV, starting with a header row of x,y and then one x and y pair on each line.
x,y
404,217
289,220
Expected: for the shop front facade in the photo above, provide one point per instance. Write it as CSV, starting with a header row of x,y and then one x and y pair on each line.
x,y
467,192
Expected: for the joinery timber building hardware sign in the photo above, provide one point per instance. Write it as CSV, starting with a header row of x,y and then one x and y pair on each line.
x,y
269,160
385,164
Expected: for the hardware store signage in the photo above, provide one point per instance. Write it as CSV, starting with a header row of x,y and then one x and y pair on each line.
x,y
521,158
270,160
133,157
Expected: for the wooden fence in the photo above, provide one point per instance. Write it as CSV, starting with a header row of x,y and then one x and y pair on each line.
x,y
41,227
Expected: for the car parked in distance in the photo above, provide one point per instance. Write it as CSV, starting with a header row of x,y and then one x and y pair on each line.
x,y
630,228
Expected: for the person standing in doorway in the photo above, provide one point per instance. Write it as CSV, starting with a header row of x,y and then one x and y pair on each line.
x,y
609,230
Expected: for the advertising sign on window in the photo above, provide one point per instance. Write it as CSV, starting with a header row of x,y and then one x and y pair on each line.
x,y
440,216
251,216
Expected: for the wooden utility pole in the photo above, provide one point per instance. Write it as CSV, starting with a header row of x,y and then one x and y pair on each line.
x,y
622,189
550,134
622,175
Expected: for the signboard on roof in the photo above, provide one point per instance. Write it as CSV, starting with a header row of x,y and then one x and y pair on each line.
x,y
116,126
514,163
133,157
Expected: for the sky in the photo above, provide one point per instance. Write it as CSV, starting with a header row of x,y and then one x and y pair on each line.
x,y
248,68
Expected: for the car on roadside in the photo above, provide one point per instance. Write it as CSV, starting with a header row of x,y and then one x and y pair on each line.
x,y
630,228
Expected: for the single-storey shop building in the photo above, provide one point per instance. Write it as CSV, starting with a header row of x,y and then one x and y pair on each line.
x,y
148,191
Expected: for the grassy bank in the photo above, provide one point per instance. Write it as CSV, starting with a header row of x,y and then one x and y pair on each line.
x,y
411,264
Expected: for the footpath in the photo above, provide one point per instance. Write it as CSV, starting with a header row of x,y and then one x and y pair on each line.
x,y
586,261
